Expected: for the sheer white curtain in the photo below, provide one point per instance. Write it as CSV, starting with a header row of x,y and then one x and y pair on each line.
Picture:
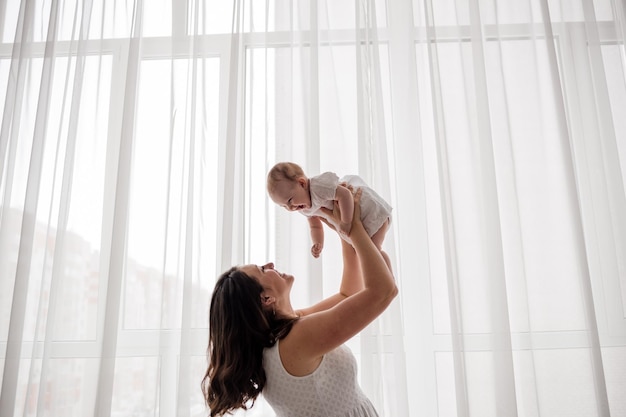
x,y
134,141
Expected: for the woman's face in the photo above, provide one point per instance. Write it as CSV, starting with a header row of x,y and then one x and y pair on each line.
x,y
274,283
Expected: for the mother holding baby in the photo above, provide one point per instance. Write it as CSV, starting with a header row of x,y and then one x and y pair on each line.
x,y
259,344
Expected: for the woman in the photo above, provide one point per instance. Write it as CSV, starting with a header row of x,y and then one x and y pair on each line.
x,y
259,343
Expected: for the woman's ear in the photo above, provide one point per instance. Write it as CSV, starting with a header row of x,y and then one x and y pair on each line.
x,y
267,300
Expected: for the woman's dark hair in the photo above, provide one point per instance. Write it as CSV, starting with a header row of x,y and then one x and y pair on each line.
x,y
239,330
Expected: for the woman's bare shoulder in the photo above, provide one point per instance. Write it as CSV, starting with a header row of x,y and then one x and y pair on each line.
x,y
293,352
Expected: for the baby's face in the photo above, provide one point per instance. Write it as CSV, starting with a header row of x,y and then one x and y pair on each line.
x,y
292,195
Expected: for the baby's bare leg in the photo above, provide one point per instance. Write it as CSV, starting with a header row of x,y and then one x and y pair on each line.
x,y
378,238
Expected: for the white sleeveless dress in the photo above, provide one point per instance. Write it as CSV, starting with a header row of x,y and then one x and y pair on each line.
x,y
332,390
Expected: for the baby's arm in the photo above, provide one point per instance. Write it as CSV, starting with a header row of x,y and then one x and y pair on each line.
x,y
344,198
317,235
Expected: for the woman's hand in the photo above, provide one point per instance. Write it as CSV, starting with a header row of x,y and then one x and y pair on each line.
x,y
333,219
344,228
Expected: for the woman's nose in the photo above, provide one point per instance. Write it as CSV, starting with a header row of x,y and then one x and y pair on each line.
x,y
269,265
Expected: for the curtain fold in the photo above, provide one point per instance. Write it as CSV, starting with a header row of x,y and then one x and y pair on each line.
x,y
119,230
134,143
27,232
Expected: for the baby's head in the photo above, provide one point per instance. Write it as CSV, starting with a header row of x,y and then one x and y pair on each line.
x,y
288,186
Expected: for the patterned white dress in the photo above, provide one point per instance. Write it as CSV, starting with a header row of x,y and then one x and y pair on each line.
x,y
332,390
374,209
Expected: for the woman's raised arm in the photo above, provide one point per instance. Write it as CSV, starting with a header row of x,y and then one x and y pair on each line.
x,y
325,329
351,281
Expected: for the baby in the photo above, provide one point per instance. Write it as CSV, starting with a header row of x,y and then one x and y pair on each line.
x,y
289,187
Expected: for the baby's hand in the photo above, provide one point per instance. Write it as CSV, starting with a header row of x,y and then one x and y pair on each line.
x,y
316,249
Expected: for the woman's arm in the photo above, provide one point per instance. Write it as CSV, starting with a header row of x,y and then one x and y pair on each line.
x,y
351,281
322,331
